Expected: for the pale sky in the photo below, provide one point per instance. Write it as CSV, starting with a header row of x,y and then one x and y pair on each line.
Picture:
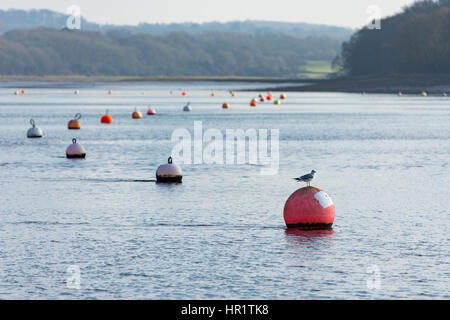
x,y
348,13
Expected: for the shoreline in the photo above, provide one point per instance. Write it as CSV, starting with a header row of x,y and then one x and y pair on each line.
x,y
92,79
407,84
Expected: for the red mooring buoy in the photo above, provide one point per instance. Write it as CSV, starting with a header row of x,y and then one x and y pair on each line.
x,y
309,208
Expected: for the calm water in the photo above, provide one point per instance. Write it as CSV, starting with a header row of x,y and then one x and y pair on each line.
x,y
384,160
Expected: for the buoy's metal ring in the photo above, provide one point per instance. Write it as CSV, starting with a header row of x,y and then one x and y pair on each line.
x,y
169,160
77,116
33,123
74,140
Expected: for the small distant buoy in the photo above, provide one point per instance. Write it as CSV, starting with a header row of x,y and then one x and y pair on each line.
x,y
110,92
151,111
169,172
400,94
136,114
75,123
283,96
233,94
213,94
75,150
444,94
309,208
184,93
106,118
187,107
253,103
225,106
268,98
17,92
262,99
23,91
424,94
34,132
277,102
77,92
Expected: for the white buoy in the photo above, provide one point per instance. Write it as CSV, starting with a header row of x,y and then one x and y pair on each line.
x,y
169,172
187,107
75,150
34,132
17,93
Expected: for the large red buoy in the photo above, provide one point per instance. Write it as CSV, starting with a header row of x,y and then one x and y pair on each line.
x,y
184,93
106,118
253,103
309,208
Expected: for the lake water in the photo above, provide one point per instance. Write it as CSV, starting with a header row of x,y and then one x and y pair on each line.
x,y
383,159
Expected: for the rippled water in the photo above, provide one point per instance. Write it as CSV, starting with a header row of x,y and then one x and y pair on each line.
x,y
383,159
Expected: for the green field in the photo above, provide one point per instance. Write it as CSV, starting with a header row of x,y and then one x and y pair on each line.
x,y
316,69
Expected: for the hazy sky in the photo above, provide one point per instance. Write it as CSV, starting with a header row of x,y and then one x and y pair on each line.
x,y
350,13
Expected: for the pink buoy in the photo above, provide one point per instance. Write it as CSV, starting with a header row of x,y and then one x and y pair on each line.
x,y
309,208
169,172
75,150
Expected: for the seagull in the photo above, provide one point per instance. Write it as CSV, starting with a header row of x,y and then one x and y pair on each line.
x,y
306,178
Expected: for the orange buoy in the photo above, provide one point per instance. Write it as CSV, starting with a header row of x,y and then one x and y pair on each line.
x,y
136,114
75,150
151,111
253,103
106,118
225,106
23,91
309,208
184,93
75,123
283,96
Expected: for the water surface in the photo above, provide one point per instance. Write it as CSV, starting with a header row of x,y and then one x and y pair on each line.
x,y
383,159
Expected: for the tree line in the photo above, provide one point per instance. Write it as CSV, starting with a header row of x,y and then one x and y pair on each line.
x,y
415,41
118,53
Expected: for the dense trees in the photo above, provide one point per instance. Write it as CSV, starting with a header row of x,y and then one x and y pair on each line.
x,y
414,41
64,52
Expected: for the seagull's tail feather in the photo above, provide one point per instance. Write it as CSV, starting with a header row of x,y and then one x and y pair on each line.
x,y
298,179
